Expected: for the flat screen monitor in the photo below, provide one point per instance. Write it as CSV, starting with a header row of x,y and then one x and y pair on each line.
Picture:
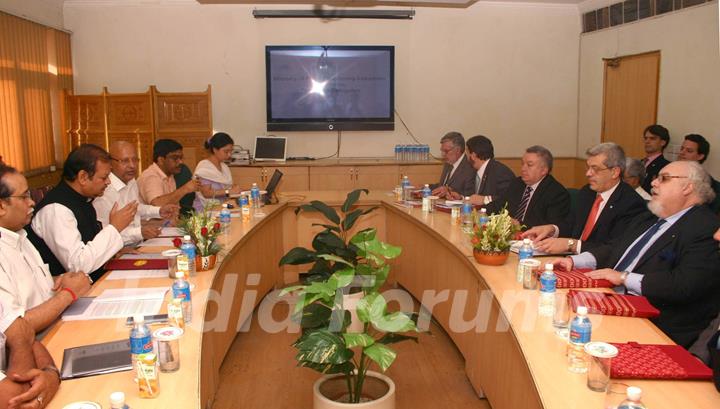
x,y
312,88
270,148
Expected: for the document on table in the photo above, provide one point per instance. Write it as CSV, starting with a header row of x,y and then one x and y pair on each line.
x,y
121,303
158,242
142,256
136,274
171,232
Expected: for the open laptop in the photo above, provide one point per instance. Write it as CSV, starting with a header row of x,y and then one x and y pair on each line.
x,y
272,185
270,148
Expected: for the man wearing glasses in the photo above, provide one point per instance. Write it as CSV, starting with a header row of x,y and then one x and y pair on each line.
x,y
458,175
123,190
605,206
26,285
157,182
670,257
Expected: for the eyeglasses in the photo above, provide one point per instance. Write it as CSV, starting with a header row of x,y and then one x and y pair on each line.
x,y
662,178
594,169
174,157
25,196
127,161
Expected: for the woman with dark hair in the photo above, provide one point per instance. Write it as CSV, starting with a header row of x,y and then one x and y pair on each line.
x,y
214,175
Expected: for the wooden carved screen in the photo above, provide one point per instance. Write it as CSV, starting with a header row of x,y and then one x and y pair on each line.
x,y
141,119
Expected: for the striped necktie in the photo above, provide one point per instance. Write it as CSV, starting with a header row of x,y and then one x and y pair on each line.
x,y
522,207
634,252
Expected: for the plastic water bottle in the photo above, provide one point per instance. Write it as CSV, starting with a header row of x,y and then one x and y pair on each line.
x,y
426,192
580,334
181,290
117,401
140,339
526,251
466,215
188,249
405,181
397,152
546,306
483,217
225,217
255,196
633,399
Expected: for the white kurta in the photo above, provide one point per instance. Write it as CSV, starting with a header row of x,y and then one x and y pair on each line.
x,y
7,316
25,279
122,194
56,225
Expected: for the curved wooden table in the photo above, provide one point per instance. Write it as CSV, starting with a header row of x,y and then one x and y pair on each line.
x,y
511,354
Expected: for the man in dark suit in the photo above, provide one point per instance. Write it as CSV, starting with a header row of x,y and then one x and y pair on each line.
x,y
655,139
668,256
696,147
535,197
458,174
492,178
605,207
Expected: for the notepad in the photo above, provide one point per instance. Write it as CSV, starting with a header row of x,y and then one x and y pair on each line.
x,y
121,303
96,359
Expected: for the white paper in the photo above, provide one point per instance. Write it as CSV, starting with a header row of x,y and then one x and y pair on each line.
x,y
158,242
142,256
136,274
171,232
123,302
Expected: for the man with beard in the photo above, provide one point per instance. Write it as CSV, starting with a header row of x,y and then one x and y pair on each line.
x,y
670,257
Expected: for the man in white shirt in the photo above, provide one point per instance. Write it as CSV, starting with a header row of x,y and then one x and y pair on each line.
x,y
123,190
65,229
29,377
26,284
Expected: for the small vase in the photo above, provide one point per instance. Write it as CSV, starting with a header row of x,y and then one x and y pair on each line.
x,y
491,258
205,263
378,393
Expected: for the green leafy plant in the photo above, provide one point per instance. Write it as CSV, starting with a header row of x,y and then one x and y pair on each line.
x,y
204,229
496,234
340,264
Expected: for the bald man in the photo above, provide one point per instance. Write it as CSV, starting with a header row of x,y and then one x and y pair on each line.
x,y
123,189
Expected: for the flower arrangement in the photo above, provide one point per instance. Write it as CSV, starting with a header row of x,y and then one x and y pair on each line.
x,y
203,229
495,235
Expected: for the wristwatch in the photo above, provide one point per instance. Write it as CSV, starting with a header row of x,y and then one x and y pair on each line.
x,y
623,277
571,246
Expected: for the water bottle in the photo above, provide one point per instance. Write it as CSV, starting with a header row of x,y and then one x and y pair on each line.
x,y
225,217
245,208
140,339
405,181
548,281
181,290
426,192
483,217
117,401
255,195
580,333
397,152
633,399
188,249
526,251
466,215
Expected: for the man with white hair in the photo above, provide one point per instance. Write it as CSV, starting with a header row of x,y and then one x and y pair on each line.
x,y
670,257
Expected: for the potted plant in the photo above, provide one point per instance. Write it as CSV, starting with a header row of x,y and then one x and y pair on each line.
x,y
203,229
328,344
491,240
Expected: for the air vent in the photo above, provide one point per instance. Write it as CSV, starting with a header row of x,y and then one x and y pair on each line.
x,y
632,10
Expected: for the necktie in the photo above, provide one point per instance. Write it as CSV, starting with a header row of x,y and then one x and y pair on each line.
x,y
592,218
633,253
477,184
522,207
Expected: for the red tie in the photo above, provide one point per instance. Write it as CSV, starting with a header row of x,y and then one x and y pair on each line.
x,y
590,223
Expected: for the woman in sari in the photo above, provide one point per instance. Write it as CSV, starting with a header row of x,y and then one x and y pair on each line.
x,y
214,175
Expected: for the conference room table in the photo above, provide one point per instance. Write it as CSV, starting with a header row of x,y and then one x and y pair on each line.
x,y
513,357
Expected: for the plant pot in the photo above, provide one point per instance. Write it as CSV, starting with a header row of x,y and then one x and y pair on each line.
x,y
491,258
205,263
350,304
378,388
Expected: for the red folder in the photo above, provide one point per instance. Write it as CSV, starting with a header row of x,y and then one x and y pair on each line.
x,y
137,264
613,304
656,362
577,279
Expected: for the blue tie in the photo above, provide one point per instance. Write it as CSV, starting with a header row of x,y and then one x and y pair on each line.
x,y
633,253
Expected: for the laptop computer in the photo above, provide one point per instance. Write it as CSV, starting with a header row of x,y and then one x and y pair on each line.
x,y
272,185
270,148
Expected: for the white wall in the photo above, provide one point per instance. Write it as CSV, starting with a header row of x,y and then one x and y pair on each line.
x,y
689,88
506,70
48,12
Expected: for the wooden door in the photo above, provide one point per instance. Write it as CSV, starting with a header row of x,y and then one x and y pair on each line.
x,y
421,174
630,100
376,177
332,177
